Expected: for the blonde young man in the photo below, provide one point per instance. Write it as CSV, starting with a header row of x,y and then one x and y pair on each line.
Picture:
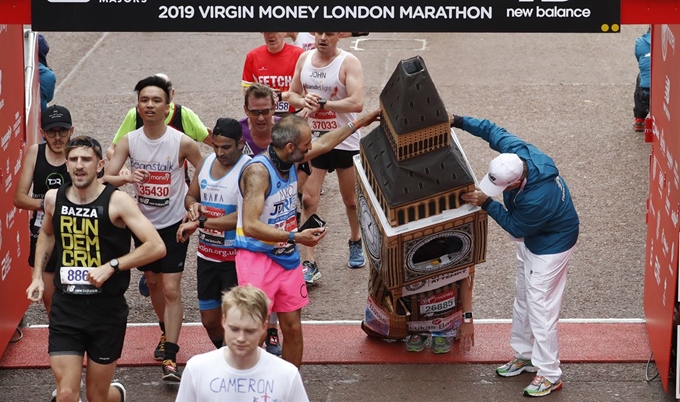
x,y
241,371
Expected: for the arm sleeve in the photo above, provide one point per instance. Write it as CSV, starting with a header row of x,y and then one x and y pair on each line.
x,y
498,138
129,125
193,126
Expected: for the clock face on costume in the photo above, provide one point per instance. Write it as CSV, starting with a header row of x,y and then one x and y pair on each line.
x,y
369,228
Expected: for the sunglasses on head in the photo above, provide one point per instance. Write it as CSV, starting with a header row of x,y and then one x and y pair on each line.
x,y
63,132
257,112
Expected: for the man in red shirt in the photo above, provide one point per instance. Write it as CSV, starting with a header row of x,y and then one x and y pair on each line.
x,y
273,65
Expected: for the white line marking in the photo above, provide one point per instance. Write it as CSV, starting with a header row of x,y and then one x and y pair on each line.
x,y
480,321
80,62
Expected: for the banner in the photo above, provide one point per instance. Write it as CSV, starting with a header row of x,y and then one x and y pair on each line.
x,y
14,242
347,15
663,206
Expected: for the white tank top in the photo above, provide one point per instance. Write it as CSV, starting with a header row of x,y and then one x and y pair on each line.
x,y
161,197
305,40
219,196
325,82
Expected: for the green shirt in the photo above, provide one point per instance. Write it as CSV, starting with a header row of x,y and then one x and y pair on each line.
x,y
193,126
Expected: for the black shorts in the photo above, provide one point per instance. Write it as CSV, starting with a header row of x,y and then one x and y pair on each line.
x,y
176,253
92,324
304,167
335,159
213,279
51,264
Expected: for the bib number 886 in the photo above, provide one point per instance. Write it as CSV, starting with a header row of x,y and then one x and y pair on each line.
x,y
77,275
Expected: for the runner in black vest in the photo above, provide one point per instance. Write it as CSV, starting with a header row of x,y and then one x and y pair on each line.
x,y
89,225
44,168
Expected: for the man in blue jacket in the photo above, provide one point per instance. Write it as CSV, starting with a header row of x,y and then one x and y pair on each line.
x,y
48,79
538,213
643,52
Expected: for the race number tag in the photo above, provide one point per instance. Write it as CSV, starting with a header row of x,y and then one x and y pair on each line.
x,y
322,122
155,191
39,216
75,280
281,105
438,303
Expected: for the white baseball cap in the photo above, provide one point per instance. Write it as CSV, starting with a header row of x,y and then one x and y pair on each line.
x,y
504,170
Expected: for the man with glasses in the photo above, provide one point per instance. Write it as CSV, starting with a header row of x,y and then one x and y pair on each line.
x,y
88,224
44,168
273,65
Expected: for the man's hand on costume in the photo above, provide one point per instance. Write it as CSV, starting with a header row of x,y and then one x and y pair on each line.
x,y
476,197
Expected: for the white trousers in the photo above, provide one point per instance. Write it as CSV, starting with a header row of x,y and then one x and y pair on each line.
x,y
538,297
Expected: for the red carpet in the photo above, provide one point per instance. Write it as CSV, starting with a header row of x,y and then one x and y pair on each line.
x,y
347,344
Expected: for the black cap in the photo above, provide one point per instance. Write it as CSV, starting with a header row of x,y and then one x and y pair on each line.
x,y
228,127
56,116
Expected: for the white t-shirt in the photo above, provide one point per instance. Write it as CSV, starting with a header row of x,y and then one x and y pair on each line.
x,y
208,378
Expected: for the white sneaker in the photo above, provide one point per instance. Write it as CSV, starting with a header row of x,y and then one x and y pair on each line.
x,y
121,389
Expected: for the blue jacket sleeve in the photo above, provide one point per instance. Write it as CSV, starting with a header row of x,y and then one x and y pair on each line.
x,y
48,81
498,138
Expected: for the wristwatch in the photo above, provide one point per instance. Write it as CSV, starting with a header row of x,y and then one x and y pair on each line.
x,y
201,221
467,317
114,264
322,103
291,238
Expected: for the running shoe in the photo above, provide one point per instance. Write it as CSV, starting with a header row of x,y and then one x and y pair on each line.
x,y
159,353
170,371
356,254
272,342
639,125
416,343
311,272
540,386
441,344
143,287
121,389
515,367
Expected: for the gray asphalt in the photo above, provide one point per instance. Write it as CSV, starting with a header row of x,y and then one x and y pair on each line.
x,y
569,94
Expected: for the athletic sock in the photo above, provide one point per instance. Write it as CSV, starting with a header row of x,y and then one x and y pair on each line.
x,y
171,350
162,325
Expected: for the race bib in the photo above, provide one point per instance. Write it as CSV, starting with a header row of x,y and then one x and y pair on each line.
x,y
155,191
288,225
75,280
322,122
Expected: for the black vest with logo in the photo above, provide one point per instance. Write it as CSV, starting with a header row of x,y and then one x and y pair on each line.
x,y
45,177
85,237
175,120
